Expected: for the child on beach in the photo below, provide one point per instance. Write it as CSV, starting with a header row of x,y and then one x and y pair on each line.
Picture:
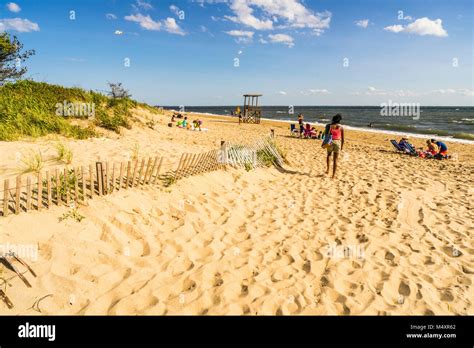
x,y
337,133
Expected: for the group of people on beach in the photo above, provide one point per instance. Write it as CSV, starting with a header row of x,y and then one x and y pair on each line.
x,y
435,149
184,123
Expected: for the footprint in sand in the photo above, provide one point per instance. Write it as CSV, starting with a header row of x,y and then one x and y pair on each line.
x,y
404,289
307,266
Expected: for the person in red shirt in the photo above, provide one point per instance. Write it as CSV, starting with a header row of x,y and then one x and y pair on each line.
x,y
337,133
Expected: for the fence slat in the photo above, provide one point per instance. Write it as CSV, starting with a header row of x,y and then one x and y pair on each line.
x,y
140,172
127,181
28,193
17,194
91,180
6,196
100,177
76,187
152,171
58,187
40,192
134,173
83,179
48,189
66,185
112,183
147,171
120,177
158,171
180,164
106,184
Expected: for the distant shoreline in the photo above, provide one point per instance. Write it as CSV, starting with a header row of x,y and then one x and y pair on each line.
x,y
363,129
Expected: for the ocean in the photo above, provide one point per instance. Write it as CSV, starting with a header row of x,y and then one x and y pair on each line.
x,y
446,122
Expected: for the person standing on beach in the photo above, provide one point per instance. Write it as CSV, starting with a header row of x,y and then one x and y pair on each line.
x,y
300,121
337,133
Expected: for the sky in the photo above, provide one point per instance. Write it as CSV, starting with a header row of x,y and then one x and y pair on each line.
x,y
294,52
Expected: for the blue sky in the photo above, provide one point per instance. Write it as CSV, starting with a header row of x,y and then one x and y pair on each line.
x,y
210,52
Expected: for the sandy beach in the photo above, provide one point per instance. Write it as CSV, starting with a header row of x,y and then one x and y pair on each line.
x,y
391,235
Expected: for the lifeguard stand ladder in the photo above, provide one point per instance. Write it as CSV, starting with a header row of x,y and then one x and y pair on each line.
x,y
252,111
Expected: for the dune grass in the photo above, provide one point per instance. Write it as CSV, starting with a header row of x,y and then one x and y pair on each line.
x,y
29,108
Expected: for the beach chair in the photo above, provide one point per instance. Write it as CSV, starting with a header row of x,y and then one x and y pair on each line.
x,y
410,149
395,145
404,147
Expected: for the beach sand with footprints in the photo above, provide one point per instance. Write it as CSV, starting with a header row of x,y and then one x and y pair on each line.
x,y
391,235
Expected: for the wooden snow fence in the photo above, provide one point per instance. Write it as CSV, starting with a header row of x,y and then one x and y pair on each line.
x,y
73,186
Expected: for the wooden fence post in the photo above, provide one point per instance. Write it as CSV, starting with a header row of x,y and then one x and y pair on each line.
x,y
17,194
100,177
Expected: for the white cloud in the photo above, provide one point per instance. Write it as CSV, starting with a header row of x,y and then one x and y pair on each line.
x,y
282,93
241,36
363,23
19,24
147,23
282,38
118,32
395,28
421,26
110,16
143,5
322,91
12,7
172,27
144,21
243,33
373,91
291,13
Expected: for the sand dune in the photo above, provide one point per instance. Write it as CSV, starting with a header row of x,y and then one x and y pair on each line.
x,y
392,235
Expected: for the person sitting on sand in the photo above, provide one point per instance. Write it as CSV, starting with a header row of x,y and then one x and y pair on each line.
x,y
173,118
337,134
320,135
442,148
432,148
307,131
429,152
185,122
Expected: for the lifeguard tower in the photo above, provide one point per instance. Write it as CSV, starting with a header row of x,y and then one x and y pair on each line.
x,y
251,112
